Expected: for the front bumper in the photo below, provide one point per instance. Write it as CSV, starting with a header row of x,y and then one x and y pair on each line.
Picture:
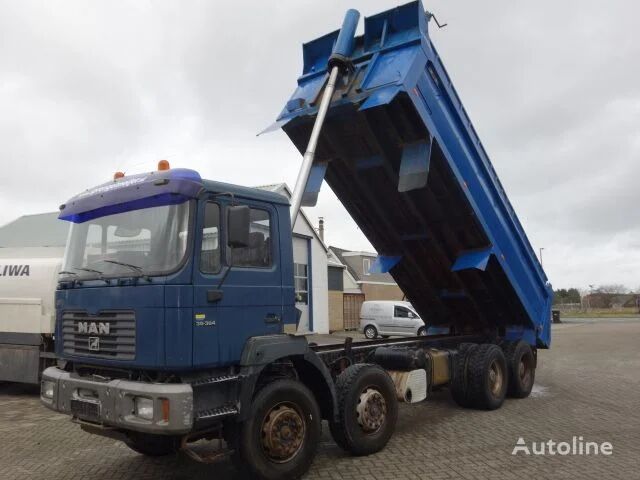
x,y
111,403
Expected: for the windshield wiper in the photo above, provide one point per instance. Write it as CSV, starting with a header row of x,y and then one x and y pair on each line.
x,y
90,270
65,272
129,265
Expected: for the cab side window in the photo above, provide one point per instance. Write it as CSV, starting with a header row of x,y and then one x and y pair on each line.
x,y
210,250
402,312
258,253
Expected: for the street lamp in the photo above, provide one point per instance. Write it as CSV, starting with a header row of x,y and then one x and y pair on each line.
x,y
589,297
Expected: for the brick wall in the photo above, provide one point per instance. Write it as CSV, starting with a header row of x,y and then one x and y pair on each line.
x,y
381,292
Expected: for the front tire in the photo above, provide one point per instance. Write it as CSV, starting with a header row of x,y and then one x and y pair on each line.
x,y
370,332
281,435
152,445
367,409
422,332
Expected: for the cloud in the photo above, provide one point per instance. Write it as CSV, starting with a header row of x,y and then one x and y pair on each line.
x,y
553,90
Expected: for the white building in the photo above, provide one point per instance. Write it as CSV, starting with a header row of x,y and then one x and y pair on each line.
x,y
310,270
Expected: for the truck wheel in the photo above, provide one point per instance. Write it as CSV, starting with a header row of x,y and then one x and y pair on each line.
x,y
367,409
370,332
152,445
522,368
281,435
459,381
487,377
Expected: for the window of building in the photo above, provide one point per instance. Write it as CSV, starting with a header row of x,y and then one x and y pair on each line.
x,y
210,249
258,252
366,266
301,279
133,240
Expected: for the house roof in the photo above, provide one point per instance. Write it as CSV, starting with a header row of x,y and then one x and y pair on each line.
x,y
338,253
283,189
39,230
353,262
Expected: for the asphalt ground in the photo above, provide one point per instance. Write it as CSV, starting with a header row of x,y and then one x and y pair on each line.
x,y
587,385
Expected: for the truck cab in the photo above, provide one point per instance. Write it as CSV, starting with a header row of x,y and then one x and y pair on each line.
x,y
156,281
165,277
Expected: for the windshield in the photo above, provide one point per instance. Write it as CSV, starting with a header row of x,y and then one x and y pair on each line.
x,y
151,241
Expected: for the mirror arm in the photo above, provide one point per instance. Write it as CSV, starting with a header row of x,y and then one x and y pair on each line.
x,y
227,194
224,277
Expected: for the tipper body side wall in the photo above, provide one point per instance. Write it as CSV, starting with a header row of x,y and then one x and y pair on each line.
x,y
400,152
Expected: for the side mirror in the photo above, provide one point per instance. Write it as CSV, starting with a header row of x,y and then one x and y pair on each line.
x,y
238,224
126,232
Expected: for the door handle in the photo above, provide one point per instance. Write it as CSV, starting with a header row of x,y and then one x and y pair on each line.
x,y
214,296
272,318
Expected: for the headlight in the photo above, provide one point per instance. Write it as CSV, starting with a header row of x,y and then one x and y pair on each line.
x,y
47,389
143,408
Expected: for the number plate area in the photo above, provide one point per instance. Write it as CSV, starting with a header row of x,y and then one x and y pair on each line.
x,y
85,409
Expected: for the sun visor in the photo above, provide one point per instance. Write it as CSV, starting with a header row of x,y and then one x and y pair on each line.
x,y
135,192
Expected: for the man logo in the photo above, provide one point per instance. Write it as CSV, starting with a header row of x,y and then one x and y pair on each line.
x,y
97,328
94,344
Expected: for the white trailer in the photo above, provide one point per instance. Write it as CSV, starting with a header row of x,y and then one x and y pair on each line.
x,y
28,279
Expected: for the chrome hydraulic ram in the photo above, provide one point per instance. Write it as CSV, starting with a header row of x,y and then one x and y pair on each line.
x,y
338,61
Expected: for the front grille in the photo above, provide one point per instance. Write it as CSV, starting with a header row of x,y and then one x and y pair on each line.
x,y
109,334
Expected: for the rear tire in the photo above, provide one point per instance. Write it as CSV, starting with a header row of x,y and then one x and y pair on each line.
x,y
367,409
152,445
459,383
281,435
521,365
370,332
487,377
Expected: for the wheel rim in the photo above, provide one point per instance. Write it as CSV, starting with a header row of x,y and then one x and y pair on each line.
x,y
524,371
371,410
283,431
496,378
369,332
422,332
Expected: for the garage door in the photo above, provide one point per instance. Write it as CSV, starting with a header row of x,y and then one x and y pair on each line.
x,y
352,302
301,280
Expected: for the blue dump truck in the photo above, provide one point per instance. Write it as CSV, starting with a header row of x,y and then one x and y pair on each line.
x,y
174,293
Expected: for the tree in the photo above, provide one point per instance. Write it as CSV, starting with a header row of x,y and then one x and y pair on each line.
x,y
573,295
563,296
615,288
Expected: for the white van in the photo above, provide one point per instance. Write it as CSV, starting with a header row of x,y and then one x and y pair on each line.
x,y
389,318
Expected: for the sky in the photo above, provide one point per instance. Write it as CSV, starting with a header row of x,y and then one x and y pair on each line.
x,y
88,88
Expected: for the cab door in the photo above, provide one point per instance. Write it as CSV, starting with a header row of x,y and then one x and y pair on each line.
x,y
237,291
208,272
403,320
252,291
385,319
